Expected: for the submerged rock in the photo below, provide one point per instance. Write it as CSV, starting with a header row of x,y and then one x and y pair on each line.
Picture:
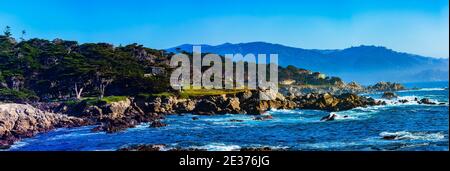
x,y
426,101
330,102
390,137
114,125
186,149
329,117
157,124
403,101
257,149
157,147
262,118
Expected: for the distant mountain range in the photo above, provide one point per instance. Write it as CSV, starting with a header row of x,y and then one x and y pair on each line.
x,y
364,64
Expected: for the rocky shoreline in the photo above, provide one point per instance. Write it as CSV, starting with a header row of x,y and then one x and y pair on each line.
x,y
26,120
19,121
352,87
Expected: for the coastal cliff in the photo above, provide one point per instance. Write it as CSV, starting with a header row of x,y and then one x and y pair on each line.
x,y
19,121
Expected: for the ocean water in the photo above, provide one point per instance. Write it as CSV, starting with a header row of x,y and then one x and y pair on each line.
x,y
418,127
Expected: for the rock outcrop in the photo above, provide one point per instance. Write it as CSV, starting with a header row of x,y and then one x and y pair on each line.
x,y
330,117
426,101
120,115
331,102
352,87
386,86
22,121
389,95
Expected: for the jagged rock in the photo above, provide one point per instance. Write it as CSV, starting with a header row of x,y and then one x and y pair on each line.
x,y
185,106
206,107
93,111
262,118
268,94
157,147
22,121
330,117
389,95
155,105
246,95
403,101
157,124
232,105
115,125
330,102
256,149
386,86
186,149
116,109
426,101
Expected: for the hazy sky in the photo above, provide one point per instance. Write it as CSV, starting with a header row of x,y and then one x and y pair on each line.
x,y
414,26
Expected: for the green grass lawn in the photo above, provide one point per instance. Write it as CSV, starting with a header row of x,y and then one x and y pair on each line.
x,y
96,100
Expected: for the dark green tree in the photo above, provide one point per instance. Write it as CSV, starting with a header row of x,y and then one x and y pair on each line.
x,y
7,31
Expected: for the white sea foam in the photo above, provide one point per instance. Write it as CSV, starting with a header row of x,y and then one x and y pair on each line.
x,y
218,147
73,134
423,89
225,147
358,113
328,145
285,111
411,100
405,135
18,145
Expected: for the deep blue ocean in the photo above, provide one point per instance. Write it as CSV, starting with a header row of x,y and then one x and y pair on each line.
x,y
418,128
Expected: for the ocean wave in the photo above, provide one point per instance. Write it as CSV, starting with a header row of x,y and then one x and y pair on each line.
x,y
405,135
285,111
218,147
423,89
328,145
410,100
73,134
358,113
225,147
18,145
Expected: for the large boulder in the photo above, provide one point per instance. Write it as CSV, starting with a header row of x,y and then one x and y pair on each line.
x,y
185,105
206,107
233,105
330,117
116,109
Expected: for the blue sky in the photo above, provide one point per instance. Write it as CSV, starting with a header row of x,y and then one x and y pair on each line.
x,y
415,26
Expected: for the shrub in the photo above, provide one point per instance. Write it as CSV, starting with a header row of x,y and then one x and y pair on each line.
x,y
17,96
